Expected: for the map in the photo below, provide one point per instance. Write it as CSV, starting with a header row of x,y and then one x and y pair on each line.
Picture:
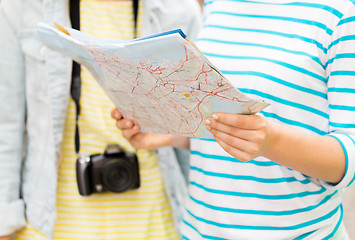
x,y
162,82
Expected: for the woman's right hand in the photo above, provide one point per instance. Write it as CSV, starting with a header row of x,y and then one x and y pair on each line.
x,y
138,139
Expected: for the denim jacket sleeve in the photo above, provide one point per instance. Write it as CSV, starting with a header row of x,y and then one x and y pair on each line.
x,y
12,122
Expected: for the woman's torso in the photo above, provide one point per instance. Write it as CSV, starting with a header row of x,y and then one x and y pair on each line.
x,y
143,213
275,51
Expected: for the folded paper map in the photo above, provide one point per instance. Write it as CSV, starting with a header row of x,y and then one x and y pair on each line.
x,y
162,82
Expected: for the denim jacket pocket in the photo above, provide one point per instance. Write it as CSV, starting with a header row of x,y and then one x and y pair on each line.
x,y
31,44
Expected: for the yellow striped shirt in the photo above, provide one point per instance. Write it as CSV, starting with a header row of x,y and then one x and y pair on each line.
x,y
136,214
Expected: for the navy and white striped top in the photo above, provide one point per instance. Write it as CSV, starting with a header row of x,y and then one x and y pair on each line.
x,y
300,57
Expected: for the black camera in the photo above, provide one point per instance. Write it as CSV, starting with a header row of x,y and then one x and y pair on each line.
x,y
114,171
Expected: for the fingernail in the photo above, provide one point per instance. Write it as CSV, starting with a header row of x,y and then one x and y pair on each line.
x,y
208,127
128,124
215,117
208,122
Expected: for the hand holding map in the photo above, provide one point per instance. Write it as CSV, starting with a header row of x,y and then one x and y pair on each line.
x,y
162,82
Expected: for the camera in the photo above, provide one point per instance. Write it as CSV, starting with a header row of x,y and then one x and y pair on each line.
x,y
115,170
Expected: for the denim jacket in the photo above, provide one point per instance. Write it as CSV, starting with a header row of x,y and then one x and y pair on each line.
x,y
34,92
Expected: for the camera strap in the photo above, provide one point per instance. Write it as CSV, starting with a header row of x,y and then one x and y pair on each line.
x,y
75,88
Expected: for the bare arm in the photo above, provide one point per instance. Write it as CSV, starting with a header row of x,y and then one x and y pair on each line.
x,y
318,156
248,136
200,2
140,140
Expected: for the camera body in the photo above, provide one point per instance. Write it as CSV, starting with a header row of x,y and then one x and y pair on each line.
x,y
115,170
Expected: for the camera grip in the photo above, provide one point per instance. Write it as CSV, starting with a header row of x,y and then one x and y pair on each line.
x,y
83,175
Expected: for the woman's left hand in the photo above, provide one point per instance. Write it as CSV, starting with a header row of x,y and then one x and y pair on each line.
x,y
245,137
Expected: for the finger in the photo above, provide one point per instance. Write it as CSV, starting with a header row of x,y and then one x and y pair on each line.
x,y
236,132
115,114
251,122
129,133
234,142
124,124
236,153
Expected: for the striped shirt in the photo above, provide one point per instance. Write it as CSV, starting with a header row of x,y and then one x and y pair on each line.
x,y
300,57
143,213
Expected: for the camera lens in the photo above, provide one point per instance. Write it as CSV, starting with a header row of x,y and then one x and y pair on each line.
x,y
118,175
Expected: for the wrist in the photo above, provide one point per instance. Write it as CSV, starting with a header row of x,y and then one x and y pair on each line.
x,y
179,142
154,141
167,140
273,133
